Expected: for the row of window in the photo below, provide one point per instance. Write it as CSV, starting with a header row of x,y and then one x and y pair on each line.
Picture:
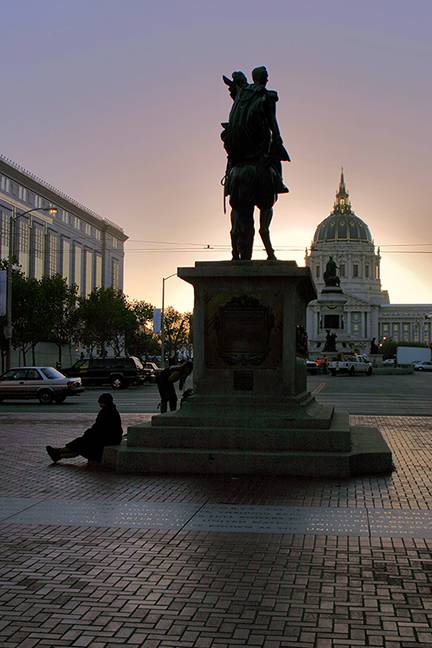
x,y
356,269
34,200
43,252
406,331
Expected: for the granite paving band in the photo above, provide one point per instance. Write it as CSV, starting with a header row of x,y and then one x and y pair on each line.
x,y
226,518
91,558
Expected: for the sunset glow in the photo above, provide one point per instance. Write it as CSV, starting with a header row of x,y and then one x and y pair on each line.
x,y
120,106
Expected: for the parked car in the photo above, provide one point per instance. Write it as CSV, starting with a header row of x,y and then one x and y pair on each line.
x,y
311,367
45,383
423,366
350,365
117,372
152,369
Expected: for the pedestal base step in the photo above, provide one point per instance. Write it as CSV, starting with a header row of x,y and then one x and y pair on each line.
x,y
369,454
336,438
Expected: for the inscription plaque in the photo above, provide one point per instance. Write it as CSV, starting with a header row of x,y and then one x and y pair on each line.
x,y
243,380
331,321
243,328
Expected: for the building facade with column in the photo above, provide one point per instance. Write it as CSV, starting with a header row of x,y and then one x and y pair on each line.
x,y
77,243
367,312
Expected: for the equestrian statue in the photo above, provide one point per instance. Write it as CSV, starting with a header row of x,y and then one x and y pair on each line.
x,y
255,150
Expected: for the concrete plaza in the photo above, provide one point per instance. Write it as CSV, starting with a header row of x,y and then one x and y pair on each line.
x,y
92,558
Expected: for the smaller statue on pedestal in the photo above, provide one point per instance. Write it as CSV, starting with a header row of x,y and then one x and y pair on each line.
x,y
330,343
373,347
330,275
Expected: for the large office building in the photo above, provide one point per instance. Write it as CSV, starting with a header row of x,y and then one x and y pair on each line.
x,y
84,248
367,312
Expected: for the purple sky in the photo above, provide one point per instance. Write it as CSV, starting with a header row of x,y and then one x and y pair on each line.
x,y
119,104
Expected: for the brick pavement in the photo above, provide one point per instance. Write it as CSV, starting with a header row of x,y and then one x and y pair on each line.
x,y
100,587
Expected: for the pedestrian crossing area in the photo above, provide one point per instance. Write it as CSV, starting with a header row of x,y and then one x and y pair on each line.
x,y
391,404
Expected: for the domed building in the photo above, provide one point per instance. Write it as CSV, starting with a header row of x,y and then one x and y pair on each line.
x,y
367,313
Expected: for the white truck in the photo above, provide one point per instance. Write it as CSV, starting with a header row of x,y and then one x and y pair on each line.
x,y
351,365
406,355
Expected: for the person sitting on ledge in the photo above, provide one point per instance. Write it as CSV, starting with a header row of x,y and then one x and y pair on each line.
x,y
165,381
106,430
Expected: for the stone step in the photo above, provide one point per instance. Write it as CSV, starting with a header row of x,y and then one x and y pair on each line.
x,y
195,413
335,439
370,455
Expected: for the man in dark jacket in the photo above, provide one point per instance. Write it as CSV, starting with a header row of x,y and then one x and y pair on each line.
x,y
165,381
106,430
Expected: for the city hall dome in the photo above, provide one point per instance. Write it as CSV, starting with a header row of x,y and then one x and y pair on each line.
x,y
342,224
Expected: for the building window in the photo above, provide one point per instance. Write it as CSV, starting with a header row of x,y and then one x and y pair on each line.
x,y
395,331
31,197
22,193
385,329
98,234
98,277
66,260
4,235
65,217
367,271
416,332
39,247
88,272
405,332
342,270
114,242
115,274
77,223
87,229
355,270
14,188
317,271
355,323
77,267
427,332
52,267
3,183
24,247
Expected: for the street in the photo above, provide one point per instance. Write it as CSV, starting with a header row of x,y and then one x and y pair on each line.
x,y
374,395
397,395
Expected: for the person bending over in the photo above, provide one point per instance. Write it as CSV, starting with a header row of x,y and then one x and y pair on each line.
x,y
106,430
165,381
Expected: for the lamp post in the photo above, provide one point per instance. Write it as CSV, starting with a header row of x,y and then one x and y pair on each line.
x,y
163,319
14,216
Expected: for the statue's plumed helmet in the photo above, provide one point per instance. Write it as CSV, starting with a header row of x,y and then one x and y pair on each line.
x,y
239,78
260,74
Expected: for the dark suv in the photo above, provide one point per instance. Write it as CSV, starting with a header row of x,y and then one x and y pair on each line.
x,y
118,372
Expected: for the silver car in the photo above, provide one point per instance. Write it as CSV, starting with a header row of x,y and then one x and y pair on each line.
x,y
45,383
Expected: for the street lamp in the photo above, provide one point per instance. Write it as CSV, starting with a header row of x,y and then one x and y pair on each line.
x,y
163,319
52,211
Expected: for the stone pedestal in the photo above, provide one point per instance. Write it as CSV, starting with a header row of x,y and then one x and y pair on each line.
x,y
331,302
250,412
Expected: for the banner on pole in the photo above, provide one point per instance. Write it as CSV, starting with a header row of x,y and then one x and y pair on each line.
x,y
157,320
3,292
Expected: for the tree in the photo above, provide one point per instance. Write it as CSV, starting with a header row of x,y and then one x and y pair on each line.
x,y
28,324
176,330
106,319
61,302
143,341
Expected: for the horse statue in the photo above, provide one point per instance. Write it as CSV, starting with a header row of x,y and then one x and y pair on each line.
x,y
255,151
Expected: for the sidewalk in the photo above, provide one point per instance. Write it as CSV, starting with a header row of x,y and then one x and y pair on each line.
x,y
92,558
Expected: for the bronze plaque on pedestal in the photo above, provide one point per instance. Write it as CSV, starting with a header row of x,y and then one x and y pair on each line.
x,y
243,328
